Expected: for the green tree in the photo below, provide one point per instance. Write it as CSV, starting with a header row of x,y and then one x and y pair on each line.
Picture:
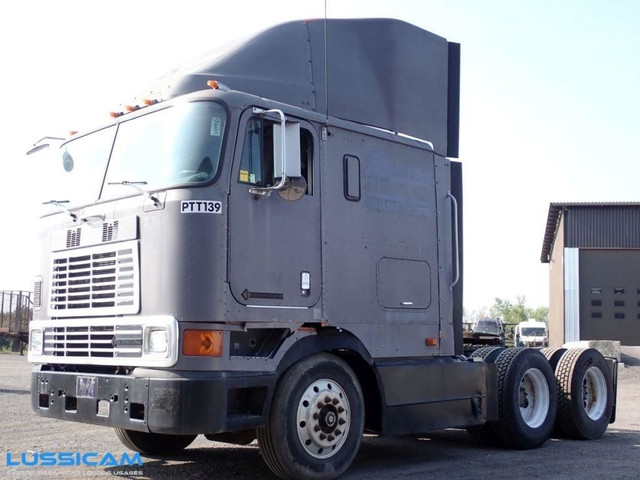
x,y
541,314
517,312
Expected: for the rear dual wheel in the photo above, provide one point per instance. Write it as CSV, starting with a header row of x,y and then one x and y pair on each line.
x,y
488,354
527,398
553,355
585,394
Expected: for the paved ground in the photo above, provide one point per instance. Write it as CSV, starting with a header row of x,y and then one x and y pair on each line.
x,y
450,454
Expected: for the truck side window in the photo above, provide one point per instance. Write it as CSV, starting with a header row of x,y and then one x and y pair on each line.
x,y
306,157
256,164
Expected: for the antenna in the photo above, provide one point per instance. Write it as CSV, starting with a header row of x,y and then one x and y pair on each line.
x,y
326,62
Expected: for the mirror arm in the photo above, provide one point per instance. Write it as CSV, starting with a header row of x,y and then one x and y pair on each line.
x,y
266,191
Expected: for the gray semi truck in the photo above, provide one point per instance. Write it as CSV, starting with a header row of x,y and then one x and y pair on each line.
x,y
268,244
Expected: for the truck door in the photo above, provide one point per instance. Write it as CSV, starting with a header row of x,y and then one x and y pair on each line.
x,y
274,241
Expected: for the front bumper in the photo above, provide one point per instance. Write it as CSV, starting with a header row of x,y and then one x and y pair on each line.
x,y
533,343
160,401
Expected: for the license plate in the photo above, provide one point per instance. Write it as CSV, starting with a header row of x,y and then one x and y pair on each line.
x,y
86,387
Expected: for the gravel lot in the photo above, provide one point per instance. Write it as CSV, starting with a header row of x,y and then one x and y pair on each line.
x,y
443,455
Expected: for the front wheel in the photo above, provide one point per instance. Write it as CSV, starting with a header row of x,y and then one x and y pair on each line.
x,y
153,443
316,421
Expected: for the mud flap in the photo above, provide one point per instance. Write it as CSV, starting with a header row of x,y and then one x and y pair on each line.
x,y
613,366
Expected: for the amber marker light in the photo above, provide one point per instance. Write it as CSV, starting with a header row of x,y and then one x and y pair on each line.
x,y
213,84
431,342
204,343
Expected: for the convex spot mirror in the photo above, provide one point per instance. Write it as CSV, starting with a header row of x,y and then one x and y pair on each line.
x,y
294,189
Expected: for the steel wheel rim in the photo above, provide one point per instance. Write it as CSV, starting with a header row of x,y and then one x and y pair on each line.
x,y
323,418
534,398
594,393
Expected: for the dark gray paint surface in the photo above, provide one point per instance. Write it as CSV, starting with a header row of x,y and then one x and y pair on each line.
x,y
379,72
396,218
434,394
197,267
380,266
457,308
272,241
404,283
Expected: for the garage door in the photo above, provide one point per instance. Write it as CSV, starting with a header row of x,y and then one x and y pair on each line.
x,y
610,295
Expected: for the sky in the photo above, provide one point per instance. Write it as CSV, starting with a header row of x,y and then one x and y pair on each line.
x,y
550,106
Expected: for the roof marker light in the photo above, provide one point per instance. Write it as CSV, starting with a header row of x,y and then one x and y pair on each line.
x,y
216,85
131,108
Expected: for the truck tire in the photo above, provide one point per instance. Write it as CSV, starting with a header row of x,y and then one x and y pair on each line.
x,y
153,443
527,398
487,354
585,394
553,355
316,420
484,434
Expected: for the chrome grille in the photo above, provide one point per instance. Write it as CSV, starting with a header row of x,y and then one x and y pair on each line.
x,y
95,341
101,280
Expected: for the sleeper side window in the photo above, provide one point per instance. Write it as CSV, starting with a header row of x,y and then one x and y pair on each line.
x,y
256,163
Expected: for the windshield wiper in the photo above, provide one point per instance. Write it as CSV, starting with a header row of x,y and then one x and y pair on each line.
x,y
136,185
61,204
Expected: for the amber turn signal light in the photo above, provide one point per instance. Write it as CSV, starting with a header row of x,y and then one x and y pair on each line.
x,y
206,343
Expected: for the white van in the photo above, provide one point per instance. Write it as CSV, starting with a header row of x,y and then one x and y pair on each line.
x,y
531,334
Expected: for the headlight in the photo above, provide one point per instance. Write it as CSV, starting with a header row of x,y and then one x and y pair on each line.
x,y
35,341
157,341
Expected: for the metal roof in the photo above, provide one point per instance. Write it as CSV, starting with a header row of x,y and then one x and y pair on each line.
x,y
556,210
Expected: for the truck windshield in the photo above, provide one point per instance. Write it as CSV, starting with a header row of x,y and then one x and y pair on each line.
x,y
484,326
533,331
170,147
175,146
